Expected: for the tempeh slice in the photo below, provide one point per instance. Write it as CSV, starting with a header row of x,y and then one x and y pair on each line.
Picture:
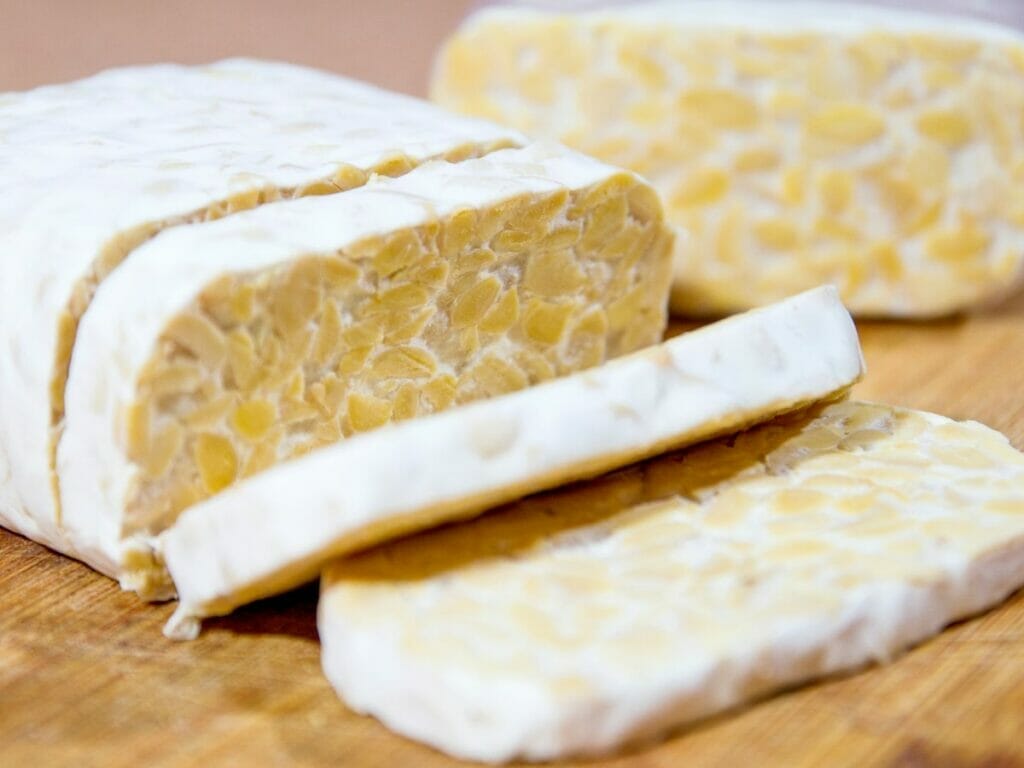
x,y
221,349
610,612
278,529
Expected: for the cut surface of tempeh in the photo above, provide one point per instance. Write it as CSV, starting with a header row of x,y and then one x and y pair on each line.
x,y
223,348
94,168
610,612
796,143
458,464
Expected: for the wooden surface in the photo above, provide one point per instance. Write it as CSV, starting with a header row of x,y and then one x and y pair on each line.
x,y
86,679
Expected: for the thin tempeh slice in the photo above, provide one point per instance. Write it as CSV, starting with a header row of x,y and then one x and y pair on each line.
x,y
94,168
278,529
797,143
223,348
586,618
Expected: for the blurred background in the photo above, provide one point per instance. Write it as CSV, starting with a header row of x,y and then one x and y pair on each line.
x,y
388,42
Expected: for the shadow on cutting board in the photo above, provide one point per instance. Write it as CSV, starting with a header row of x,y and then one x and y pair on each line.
x,y
292,614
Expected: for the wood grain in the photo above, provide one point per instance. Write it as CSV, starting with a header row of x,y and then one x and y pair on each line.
x,y
86,678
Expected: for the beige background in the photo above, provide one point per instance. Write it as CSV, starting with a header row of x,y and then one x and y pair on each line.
x,y
389,42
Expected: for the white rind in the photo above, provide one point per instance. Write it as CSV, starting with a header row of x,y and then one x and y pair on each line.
x,y
300,514
384,617
877,623
120,331
85,162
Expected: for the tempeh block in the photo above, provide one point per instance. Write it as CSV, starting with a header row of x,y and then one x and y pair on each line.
x,y
92,169
610,612
795,143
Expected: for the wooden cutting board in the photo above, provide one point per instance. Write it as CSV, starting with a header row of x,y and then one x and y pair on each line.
x,y
86,678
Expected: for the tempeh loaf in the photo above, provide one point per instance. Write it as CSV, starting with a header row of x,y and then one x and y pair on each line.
x,y
795,143
162,340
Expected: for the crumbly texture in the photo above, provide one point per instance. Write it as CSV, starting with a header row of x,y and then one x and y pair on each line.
x,y
345,178
885,158
270,365
611,611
